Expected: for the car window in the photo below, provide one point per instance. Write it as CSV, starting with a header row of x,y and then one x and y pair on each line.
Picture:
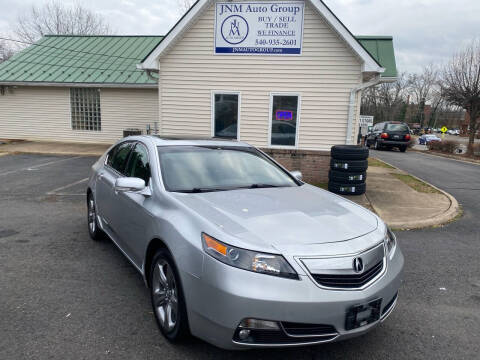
x,y
138,164
187,168
110,155
120,157
397,127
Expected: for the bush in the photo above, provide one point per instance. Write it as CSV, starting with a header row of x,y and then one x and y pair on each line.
x,y
447,146
476,149
435,145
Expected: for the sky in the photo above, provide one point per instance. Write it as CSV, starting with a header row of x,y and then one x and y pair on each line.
x,y
424,31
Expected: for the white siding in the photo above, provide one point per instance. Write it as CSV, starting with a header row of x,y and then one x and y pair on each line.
x,y
324,75
43,113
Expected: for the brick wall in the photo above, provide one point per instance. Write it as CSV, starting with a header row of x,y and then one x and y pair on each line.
x,y
314,165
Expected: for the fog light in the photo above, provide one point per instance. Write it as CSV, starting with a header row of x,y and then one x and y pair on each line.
x,y
259,324
243,334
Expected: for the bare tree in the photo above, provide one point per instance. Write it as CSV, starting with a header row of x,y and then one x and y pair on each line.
x,y
460,84
421,87
56,18
185,5
5,51
386,101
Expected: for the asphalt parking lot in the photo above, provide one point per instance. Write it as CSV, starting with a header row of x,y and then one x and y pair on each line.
x,y
65,296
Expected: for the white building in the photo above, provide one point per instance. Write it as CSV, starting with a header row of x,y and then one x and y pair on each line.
x,y
285,76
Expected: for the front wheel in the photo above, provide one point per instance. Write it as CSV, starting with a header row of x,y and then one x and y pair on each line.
x,y
93,228
167,298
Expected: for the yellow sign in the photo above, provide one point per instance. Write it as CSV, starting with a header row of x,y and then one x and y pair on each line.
x,y
444,129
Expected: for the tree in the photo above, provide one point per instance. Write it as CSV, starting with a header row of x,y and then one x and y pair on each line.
x,y
5,51
460,84
185,5
421,88
386,102
54,18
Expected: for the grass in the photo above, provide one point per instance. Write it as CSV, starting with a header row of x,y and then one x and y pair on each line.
x,y
378,163
416,184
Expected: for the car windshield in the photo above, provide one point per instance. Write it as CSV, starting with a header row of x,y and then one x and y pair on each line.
x,y
205,168
397,127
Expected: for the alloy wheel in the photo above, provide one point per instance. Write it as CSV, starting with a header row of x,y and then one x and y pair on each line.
x,y
92,215
165,295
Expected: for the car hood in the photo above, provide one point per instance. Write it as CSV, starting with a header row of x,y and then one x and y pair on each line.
x,y
279,217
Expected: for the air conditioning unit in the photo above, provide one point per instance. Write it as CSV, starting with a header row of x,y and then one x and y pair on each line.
x,y
131,132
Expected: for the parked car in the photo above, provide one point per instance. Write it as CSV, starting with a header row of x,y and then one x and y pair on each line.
x,y
238,251
389,135
425,139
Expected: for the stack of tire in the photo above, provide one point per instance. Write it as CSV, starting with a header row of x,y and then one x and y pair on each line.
x,y
348,170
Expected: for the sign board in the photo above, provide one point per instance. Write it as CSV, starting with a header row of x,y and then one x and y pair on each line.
x,y
444,129
366,120
284,115
259,27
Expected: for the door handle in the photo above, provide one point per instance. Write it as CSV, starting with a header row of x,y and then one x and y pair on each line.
x,y
100,177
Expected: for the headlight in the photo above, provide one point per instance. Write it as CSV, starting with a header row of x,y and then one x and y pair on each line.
x,y
263,263
390,242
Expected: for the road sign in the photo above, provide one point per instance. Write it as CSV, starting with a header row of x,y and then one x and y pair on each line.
x,y
444,129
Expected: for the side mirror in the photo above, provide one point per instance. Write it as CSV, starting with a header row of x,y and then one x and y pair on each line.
x,y
129,184
297,175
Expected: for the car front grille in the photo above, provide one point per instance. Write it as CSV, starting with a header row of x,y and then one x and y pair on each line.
x,y
351,281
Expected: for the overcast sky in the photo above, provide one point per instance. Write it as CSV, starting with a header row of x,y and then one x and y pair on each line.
x,y
424,31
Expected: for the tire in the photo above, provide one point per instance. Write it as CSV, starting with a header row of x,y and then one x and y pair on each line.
x,y
344,177
403,148
356,166
349,152
167,298
347,189
93,229
376,145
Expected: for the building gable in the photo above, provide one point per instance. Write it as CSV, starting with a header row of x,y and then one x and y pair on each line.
x,y
369,63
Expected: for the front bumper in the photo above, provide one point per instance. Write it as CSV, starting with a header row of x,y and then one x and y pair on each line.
x,y
225,295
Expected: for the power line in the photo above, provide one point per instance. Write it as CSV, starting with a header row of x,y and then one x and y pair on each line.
x,y
63,49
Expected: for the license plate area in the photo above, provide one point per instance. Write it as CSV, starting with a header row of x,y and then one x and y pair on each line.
x,y
362,315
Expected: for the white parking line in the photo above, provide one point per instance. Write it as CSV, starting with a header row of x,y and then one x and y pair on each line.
x,y
36,167
55,191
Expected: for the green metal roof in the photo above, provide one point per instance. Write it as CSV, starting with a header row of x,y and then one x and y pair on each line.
x,y
381,48
81,59
112,59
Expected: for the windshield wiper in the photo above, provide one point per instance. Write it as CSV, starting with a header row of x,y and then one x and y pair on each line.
x,y
258,186
200,190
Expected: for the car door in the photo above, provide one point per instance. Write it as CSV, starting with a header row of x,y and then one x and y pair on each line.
x,y
371,135
105,187
132,217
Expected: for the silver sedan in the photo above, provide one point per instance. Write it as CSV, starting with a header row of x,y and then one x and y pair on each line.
x,y
238,251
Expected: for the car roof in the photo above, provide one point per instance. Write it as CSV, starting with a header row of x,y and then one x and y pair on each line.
x,y
187,140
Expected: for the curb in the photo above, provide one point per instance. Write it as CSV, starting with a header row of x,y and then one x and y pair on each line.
x,y
452,212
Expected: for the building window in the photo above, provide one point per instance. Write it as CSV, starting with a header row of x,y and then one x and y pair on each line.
x,y
225,114
85,108
284,119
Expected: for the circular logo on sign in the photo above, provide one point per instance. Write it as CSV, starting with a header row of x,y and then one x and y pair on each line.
x,y
234,29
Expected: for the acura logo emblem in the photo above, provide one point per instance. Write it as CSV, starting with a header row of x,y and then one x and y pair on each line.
x,y
358,265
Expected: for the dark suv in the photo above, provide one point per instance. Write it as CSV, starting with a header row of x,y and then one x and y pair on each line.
x,y
388,135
